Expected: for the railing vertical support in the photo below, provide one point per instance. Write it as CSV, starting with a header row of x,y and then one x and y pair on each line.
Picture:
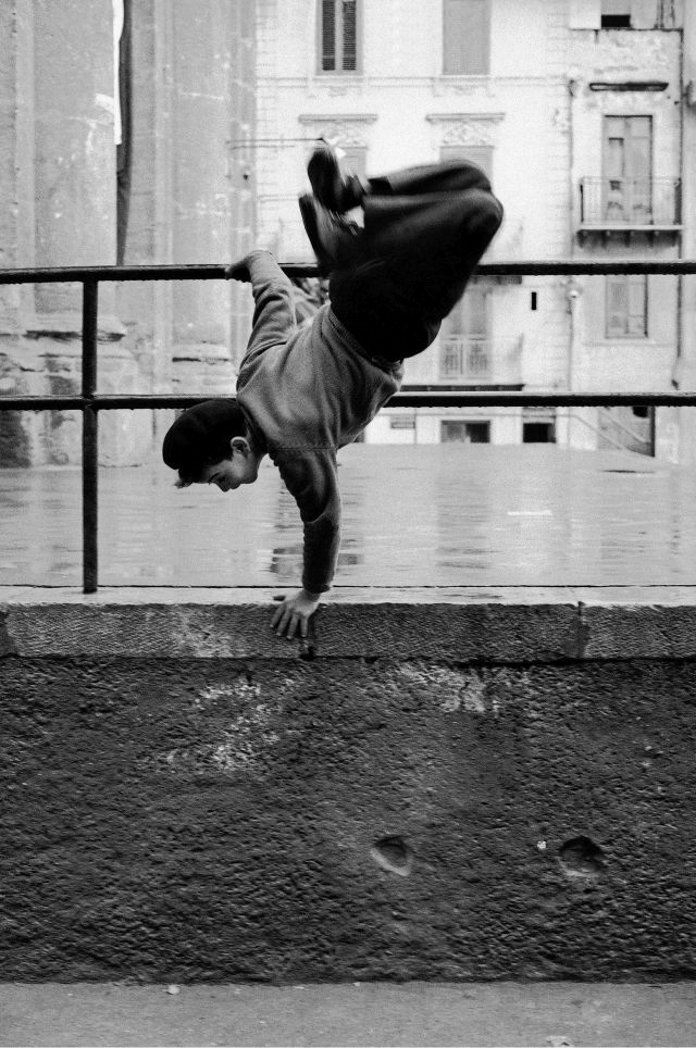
x,y
90,433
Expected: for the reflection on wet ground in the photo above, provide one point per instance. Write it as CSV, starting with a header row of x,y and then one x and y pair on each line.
x,y
450,514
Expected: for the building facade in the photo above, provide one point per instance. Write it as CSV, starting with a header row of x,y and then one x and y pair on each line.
x,y
179,133
582,113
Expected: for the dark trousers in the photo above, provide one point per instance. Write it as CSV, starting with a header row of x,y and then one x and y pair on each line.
x,y
425,230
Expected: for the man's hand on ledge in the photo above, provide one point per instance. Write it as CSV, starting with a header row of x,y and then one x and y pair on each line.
x,y
292,616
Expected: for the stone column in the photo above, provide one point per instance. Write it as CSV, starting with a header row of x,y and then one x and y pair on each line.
x,y
57,139
74,146
75,183
200,127
16,221
192,96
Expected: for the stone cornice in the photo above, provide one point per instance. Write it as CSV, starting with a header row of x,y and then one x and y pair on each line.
x,y
464,118
347,129
344,118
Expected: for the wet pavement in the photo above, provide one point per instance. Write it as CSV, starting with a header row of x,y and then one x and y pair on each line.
x,y
443,515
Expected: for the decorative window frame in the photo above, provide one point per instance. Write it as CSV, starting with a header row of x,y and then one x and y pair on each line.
x,y
346,130
464,129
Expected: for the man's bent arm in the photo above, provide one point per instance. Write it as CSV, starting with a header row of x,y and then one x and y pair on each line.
x,y
274,305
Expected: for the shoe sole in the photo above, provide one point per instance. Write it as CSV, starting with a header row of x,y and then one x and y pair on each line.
x,y
309,221
324,174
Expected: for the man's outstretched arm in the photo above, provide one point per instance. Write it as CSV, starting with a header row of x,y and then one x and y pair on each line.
x,y
311,478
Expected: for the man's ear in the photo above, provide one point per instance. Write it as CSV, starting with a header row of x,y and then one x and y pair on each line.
x,y
240,444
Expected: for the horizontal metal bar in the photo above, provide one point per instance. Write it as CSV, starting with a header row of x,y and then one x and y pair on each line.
x,y
548,267
407,398
63,274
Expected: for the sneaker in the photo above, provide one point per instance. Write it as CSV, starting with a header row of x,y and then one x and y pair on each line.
x,y
335,242
337,190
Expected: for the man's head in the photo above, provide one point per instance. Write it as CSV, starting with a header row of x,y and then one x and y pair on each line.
x,y
210,444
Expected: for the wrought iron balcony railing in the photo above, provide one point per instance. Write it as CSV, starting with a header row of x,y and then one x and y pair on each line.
x,y
90,402
630,203
481,360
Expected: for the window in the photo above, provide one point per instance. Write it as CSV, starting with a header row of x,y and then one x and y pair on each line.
x,y
627,306
538,433
538,426
338,36
616,14
452,432
465,338
627,161
627,14
466,37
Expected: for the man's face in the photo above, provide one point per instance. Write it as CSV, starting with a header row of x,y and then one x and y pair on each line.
x,y
241,468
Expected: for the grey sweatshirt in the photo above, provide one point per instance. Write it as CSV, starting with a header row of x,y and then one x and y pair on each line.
x,y
306,392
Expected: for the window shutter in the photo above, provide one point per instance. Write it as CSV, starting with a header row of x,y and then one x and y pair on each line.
x,y
627,305
349,35
637,303
639,158
328,34
617,305
466,45
476,305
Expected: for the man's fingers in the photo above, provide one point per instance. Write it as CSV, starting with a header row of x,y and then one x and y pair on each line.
x,y
288,621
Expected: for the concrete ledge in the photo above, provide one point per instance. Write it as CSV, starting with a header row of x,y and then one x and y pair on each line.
x,y
465,624
446,784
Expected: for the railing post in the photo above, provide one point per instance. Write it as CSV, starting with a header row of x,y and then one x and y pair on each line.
x,y
90,457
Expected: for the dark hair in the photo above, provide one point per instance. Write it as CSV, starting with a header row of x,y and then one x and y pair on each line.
x,y
201,436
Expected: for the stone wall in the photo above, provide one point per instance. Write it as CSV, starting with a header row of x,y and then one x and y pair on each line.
x,y
447,789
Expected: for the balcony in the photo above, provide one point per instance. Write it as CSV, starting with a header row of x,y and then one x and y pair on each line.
x,y
630,206
481,361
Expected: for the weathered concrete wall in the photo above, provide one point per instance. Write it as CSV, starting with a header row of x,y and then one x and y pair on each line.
x,y
462,789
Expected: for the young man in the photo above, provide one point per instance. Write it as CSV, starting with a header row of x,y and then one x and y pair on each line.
x,y
305,391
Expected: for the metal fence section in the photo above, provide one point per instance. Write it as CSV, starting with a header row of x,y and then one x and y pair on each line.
x,y
630,202
90,403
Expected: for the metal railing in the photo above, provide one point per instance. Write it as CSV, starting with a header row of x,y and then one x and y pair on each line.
x,y
481,359
630,202
90,402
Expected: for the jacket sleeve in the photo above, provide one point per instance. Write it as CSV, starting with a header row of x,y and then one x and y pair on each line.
x,y
274,305
311,478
